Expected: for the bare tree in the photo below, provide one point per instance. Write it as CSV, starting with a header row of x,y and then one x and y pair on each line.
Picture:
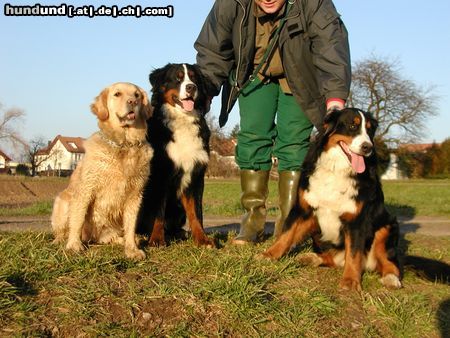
x,y
214,127
401,107
35,154
10,121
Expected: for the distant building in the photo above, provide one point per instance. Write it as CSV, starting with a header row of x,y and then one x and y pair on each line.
x,y
61,156
393,171
5,161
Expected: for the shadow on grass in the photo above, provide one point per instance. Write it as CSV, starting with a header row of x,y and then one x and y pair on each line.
x,y
405,215
22,286
221,231
400,210
425,268
443,318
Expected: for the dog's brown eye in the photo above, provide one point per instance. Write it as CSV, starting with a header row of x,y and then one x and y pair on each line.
x,y
117,94
136,95
353,127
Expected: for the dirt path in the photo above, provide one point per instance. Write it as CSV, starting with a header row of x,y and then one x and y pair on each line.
x,y
426,225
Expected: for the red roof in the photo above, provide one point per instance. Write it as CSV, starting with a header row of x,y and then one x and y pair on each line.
x,y
72,145
419,147
6,157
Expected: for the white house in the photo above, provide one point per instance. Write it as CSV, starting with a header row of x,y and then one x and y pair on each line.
x,y
4,162
61,156
393,171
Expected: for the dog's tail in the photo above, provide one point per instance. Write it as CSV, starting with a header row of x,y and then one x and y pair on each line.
x,y
430,269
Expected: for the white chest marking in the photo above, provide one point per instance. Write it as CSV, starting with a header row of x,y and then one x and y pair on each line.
x,y
186,149
331,192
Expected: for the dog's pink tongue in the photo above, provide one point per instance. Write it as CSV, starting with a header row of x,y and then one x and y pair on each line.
x,y
358,164
188,105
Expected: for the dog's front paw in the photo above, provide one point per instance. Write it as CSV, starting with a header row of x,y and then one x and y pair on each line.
x,y
135,254
156,242
75,245
205,241
58,240
310,259
350,284
272,253
266,255
391,281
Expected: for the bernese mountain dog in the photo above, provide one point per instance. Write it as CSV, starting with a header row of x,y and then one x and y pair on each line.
x,y
340,204
179,135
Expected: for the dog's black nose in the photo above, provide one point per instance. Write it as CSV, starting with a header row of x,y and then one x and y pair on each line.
x,y
132,102
366,148
191,88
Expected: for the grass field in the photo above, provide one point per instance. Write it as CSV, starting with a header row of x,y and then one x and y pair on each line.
x,y
404,198
182,290
185,291
222,197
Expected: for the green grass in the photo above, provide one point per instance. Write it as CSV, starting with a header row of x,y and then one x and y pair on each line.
x,y
222,198
182,290
419,197
38,208
403,198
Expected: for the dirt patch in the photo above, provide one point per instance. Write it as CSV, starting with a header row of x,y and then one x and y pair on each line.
x,y
157,315
20,191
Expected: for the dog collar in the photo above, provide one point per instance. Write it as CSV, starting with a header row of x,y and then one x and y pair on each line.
x,y
117,145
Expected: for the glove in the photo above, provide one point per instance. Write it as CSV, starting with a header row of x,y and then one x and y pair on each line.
x,y
335,104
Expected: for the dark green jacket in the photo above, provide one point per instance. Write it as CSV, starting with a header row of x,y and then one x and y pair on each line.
x,y
313,46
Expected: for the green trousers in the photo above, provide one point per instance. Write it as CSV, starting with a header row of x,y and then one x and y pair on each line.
x,y
271,124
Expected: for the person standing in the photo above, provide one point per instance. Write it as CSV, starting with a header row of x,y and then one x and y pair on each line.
x,y
287,62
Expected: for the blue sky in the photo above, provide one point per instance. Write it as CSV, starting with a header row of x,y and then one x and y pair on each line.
x,y
53,67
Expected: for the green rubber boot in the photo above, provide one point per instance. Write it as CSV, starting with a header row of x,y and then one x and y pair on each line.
x,y
254,185
287,194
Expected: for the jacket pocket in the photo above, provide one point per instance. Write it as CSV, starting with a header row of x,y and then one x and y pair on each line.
x,y
292,27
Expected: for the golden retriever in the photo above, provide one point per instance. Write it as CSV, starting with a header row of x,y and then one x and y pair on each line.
x,y
102,201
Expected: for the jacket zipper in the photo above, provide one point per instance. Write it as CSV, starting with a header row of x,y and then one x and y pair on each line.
x,y
235,84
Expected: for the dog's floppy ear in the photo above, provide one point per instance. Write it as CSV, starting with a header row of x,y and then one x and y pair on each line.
x,y
146,109
373,121
100,105
329,121
156,77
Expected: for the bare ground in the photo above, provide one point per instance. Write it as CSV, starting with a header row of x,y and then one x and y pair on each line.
x,y
20,191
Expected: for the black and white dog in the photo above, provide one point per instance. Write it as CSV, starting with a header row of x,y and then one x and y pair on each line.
x,y
179,136
340,204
